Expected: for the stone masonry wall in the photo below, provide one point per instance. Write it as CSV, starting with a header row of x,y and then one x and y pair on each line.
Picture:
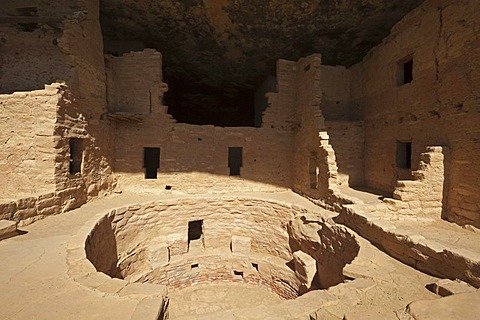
x,y
424,194
83,115
347,139
280,112
27,156
439,107
195,158
30,60
134,82
337,102
70,49
315,168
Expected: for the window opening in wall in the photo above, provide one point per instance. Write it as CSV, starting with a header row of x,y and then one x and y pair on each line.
x,y
405,71
194,266
238,274
255,266
195,230
76,155
313,170
404,155
235,160
151,162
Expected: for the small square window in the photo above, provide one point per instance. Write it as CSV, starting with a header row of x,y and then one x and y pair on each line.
x,y
194,266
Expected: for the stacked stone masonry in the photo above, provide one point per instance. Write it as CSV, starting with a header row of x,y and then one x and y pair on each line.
x,y
438,108
38,164
424,194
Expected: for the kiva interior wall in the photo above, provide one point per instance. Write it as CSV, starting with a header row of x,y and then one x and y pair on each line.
x,y
440,107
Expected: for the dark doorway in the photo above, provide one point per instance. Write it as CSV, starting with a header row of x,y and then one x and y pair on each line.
x,y
404,155
235,160
76,155
151,162
408,71
195,230
405,71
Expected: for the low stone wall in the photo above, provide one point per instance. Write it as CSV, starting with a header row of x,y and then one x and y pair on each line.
x,y
424,195
30,209
413,249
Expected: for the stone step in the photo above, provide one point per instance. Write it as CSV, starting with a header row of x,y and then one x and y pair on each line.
x,y
7,228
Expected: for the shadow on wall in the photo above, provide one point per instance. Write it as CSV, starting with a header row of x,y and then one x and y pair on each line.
x,y
101,248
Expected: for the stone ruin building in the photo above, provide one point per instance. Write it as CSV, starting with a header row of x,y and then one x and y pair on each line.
x,y
235,159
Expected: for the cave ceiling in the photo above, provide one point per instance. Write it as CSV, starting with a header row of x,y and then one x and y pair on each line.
x,y
235,43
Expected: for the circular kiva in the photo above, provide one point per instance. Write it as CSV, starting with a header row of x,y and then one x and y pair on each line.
x,y
281,247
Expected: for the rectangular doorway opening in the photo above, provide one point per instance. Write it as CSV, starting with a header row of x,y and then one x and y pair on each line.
x,y
76,155
195,230
405,71
404,155
151,162
235,160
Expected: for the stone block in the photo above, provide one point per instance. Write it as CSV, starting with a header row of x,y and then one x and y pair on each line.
x,y
305,268
24,214
7,209
159,255
26,203
241,245
7,228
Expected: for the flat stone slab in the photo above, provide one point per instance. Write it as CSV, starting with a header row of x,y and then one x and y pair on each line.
x,y
7,228
456,307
